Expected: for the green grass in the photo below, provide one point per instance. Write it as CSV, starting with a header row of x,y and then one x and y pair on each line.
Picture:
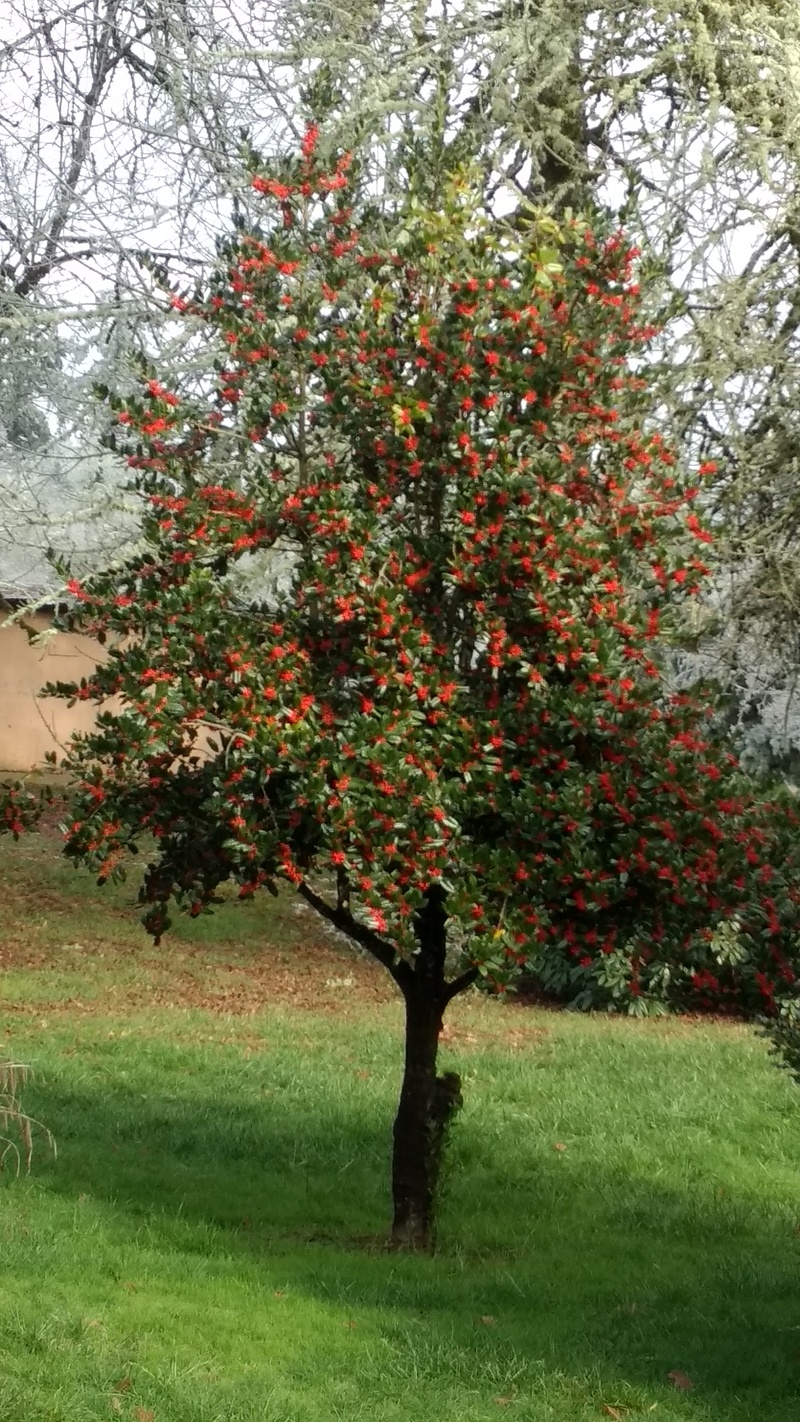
x,y
207,1245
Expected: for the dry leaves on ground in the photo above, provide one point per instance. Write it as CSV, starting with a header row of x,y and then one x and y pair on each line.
x,y
680,1381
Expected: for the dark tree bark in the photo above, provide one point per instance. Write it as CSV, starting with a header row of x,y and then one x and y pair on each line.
x,y
427,1101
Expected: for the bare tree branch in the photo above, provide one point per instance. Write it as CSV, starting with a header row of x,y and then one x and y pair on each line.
x,y
342,919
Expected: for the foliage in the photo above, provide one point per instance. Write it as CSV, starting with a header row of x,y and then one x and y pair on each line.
x,y
21,808
447,712
783,1031
454,683
122,132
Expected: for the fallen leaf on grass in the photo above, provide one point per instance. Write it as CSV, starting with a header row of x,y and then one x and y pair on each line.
x,y
124,1385
616,1412
680,1381
116,1404
144,1414
351,1323
504,1401
558,1146
457,1037
487,1320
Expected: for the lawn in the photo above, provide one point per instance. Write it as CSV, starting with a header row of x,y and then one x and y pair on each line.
x,y
623,1198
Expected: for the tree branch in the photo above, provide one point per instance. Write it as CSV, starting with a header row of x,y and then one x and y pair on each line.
x,y
45,28
460,984
38,270
344,921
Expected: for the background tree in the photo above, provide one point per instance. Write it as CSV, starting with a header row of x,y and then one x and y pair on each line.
x,y
443,724
120,130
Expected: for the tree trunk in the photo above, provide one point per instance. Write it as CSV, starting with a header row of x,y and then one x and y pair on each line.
x,y
427,1101
555,115
414,1165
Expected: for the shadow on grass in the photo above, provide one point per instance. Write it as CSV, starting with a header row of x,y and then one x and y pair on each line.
x,y
581,1270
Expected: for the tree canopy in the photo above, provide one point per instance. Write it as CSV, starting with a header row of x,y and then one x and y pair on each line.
x,y
392,635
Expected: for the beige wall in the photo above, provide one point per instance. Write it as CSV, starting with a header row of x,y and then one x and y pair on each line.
x,y
31,726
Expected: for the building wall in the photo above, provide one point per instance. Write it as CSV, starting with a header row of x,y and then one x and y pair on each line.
x,y
31,726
